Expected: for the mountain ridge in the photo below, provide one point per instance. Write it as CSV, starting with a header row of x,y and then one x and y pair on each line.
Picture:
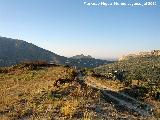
x,y
141,54
14,51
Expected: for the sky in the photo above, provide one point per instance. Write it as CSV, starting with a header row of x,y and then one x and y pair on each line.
x,y
70,27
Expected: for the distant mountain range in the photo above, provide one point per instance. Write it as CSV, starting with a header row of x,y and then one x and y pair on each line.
x,y
13,51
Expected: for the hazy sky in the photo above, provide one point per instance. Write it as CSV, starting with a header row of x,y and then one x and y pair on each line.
x,y
68,27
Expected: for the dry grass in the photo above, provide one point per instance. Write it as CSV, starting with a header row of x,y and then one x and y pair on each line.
x,y
156,104
69,107
22,90
32,95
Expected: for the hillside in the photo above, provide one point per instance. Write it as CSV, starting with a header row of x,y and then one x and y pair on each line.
x,y
139,77
14,51
141,55
145,69
54,93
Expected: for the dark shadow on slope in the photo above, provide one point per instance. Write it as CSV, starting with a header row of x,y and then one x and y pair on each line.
x,y
136,92
124,103
114,102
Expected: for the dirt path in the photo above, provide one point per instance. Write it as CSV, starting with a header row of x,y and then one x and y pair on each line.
x,y
121,99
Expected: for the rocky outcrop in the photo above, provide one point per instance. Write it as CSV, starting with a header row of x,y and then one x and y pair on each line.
x,y
141,54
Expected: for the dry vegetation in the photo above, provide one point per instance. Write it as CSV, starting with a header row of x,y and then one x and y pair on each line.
x,y
32,94
26,92
113,85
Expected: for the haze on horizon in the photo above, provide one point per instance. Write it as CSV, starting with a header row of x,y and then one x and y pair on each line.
x,y
69,28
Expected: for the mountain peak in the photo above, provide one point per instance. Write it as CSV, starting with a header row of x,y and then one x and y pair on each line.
x,y
81,56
